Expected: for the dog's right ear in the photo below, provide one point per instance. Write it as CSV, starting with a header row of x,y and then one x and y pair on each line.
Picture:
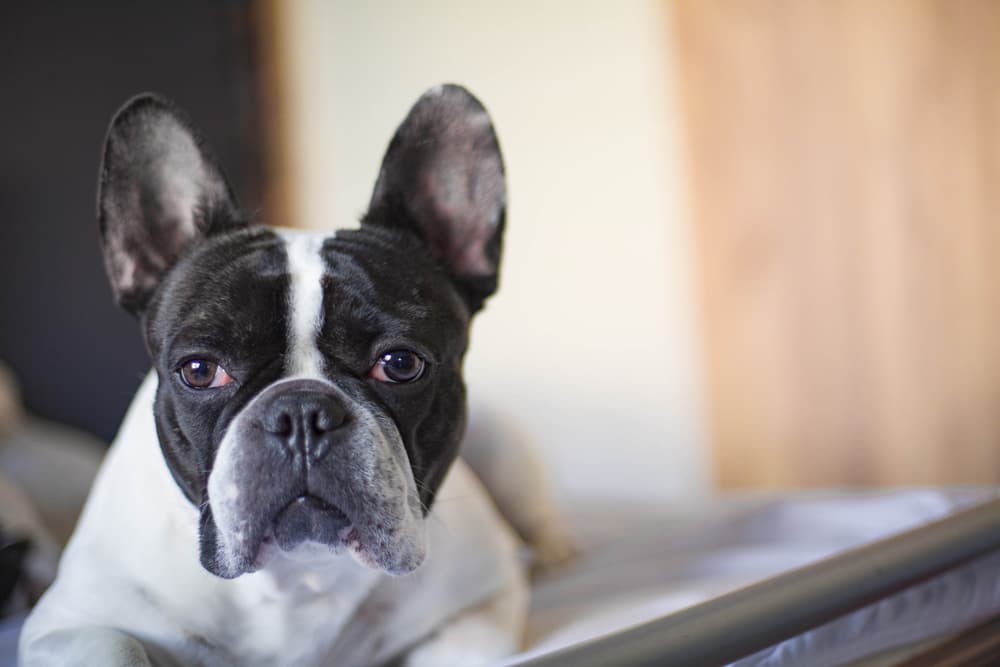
x,y
159,189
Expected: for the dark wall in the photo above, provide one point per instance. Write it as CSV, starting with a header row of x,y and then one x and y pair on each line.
x,y
64,69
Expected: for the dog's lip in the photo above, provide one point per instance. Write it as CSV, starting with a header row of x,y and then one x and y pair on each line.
x,y
315,511
316,503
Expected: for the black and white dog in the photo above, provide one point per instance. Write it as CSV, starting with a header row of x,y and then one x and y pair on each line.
x,y
279,467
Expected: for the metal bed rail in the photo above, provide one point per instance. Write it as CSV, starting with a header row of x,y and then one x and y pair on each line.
x,y
738,624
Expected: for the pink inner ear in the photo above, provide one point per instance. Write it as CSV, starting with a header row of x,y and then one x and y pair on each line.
x,y
445,170
467,252
464,202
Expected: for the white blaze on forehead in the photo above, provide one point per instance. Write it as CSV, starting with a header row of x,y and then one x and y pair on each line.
x,y
305,301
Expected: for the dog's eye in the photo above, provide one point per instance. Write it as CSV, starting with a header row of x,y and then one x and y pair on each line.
x,y
398,366
200,374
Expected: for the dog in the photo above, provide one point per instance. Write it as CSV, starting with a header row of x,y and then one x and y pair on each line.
x,y
285,487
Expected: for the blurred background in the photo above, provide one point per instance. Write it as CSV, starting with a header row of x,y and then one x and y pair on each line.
x,y
750,244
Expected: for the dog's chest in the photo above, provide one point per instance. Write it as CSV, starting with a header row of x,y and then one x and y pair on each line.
x,y
268,620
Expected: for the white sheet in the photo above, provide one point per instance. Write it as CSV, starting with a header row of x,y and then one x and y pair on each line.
x,y
633,570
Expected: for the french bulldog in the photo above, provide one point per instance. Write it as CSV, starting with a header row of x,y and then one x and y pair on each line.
x,y
285,488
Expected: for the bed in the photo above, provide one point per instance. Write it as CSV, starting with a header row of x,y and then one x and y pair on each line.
x,y
907,576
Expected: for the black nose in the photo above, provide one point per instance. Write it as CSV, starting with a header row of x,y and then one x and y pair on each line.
x,y
305,421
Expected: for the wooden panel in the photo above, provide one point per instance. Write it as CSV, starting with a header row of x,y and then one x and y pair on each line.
x,y
845,166
277,94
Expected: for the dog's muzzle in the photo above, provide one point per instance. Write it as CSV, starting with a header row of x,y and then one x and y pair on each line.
x,y
304,462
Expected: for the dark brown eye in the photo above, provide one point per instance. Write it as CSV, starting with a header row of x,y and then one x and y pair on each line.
x,y
398,366
201,374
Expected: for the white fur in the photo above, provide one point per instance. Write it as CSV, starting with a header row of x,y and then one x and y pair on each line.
x,y
305,300
131,570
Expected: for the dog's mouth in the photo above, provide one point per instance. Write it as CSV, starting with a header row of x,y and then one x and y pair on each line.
x,y
312,529
309,518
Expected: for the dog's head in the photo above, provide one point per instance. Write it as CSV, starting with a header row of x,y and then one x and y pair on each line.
x,y
310,389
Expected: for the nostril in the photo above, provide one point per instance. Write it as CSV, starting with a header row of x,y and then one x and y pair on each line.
x,y
278,422
284,425
329,418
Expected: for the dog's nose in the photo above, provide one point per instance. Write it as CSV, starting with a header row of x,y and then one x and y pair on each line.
x,y
305,422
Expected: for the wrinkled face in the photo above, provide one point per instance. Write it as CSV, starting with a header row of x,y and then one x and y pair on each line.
x,y
310,391
310,394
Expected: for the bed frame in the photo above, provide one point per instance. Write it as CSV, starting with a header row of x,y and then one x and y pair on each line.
x,y
736,625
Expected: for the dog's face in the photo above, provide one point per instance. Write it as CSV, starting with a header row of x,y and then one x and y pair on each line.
x,y
310,391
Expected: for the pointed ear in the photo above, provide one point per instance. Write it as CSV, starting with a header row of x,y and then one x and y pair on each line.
x,y
442,177
159,188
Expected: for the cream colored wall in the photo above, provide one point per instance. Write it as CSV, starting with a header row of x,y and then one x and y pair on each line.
x,y
590,344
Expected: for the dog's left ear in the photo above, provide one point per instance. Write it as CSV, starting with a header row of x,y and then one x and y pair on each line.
x,y
159,189
442,177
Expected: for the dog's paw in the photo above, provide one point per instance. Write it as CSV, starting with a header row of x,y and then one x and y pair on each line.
x,y
81,647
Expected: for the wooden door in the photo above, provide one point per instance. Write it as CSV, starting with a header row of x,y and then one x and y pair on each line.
x,y
845,166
